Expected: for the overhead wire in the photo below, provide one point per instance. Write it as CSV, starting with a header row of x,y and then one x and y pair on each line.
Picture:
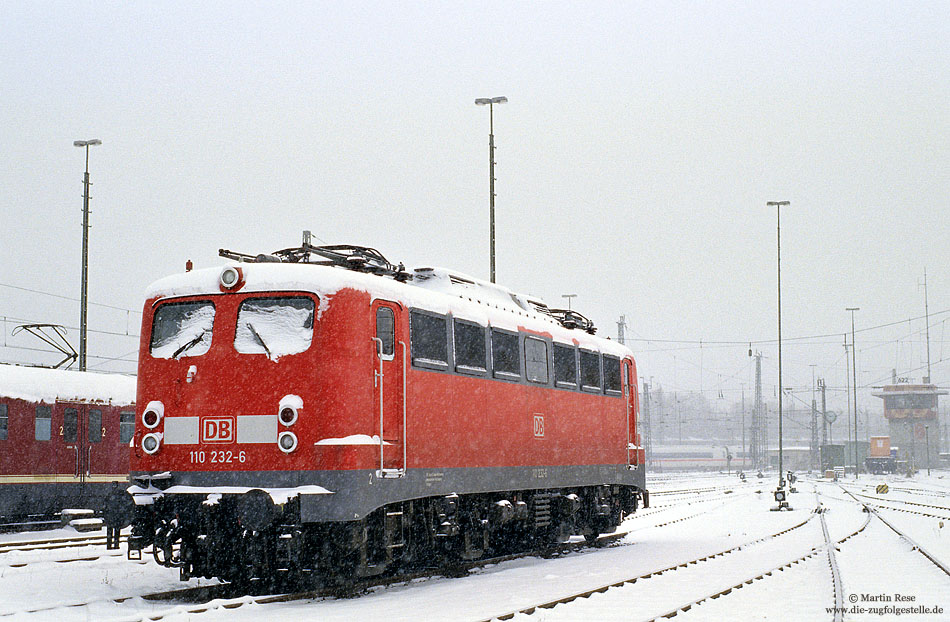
x,y
97,304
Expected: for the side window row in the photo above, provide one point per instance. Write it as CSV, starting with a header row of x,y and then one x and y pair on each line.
x,y
43,428
476,345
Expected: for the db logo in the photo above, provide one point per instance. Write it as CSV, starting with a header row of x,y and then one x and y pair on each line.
x,y
539,426
219,430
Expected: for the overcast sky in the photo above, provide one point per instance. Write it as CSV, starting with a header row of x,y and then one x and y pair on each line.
x,y
634,160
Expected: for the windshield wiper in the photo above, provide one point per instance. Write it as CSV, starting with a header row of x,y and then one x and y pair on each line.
x,y
189,345
257,336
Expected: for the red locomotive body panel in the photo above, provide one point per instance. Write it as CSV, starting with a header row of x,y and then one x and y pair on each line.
x,y
335,379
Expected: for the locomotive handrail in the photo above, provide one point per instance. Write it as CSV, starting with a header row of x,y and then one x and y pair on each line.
x,y
378,347
626,400
405,431
383,471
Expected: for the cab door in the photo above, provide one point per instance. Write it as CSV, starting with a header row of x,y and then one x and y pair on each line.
x,y
630,401
389,384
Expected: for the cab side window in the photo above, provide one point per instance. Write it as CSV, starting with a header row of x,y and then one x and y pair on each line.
x,y
612,378
385,332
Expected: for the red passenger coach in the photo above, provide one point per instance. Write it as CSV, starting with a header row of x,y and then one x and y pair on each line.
x,y
321,412
64,438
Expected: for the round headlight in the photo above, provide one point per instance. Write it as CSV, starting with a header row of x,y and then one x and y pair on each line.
x,y
287,441
150,443
288,415
230,277
150,418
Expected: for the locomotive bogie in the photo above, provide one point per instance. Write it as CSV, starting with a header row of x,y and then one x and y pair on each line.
x,y
238,538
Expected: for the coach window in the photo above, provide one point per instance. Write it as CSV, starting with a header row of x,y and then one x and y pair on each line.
x,y
565,366
470,350
590,371
181,329
95,426
3,422
536,360
385,332
42,422
126,426
504,355
275,326
429,340
612,379
70,425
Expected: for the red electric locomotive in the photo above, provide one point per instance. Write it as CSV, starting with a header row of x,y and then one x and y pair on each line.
x,y
321,412
64,438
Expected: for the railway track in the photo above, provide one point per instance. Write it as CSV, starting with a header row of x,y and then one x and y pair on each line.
x,y
200,599
691,491
905,502
729,578
822,553
54,543
922,493
632,581
871,509
30,546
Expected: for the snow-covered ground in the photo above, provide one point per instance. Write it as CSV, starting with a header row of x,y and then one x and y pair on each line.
x,y
782,577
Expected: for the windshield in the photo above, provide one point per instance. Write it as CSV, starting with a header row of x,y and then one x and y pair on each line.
x,y
274,326
182,329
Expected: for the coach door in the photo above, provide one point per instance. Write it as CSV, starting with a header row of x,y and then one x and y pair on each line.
x,y
629,398
81,433
390,387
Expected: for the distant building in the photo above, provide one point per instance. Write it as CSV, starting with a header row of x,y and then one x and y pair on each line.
x,y
909,410
793,458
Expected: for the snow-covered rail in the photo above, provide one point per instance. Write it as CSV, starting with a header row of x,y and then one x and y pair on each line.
x,y
942,508
872,509
53,543
214,597
832,565
656,573
828,546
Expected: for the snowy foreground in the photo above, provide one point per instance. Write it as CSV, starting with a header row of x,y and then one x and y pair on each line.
x,y
782,577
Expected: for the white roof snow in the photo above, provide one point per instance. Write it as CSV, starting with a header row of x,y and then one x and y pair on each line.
x,y
37,384
434,289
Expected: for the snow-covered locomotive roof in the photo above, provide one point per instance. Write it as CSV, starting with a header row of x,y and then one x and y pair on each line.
x,y
434,289
37,384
